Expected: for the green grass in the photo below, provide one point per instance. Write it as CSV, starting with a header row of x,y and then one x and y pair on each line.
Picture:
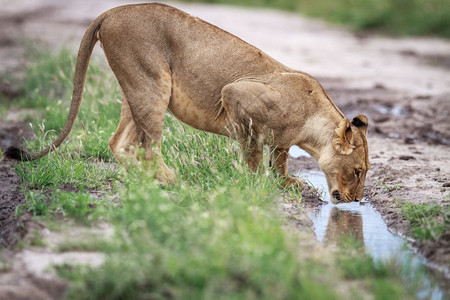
x,y
389,187
411,17
49,91
381,278
427,221
87,244
232,247
78,206
84,161
214,234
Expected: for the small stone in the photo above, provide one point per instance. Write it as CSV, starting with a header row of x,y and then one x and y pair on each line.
x,y
408,141
379,86
446,184
406,157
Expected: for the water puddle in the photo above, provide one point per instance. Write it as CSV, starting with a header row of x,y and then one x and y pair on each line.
x,y
395,111
363,222
296,152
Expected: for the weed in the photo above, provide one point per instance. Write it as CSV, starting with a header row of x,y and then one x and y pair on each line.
x,y
389,187
89,244
5,262
36,203
37,239
427,221
78,206
381,278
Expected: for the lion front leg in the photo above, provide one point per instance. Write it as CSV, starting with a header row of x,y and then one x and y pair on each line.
x,y
278,162
253,153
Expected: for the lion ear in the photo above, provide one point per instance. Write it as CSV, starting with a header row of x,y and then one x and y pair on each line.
x,y
361,122
343,138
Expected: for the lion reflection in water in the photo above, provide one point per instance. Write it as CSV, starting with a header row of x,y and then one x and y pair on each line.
x,y
344,223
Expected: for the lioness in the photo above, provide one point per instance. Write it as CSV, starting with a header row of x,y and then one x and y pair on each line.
x,y
165,59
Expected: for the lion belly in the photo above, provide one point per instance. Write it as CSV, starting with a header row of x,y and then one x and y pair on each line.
x,y
203,115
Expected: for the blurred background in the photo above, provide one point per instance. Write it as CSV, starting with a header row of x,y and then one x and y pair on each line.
x,y
416,17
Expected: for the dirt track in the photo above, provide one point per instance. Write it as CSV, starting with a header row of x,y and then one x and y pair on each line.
x,y
403,85
10,195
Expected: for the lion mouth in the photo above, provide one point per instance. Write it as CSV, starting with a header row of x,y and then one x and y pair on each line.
x,y
337,196
342,198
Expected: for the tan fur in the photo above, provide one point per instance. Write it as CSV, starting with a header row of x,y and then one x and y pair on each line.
x,y
343,142
167,60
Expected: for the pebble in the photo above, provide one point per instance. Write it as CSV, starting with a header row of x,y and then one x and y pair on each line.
x,y
406,157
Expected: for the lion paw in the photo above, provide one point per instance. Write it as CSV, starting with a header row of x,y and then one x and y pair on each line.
x,y
291,182
165,175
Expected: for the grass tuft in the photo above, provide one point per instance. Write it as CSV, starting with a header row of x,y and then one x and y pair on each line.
x,y
427,221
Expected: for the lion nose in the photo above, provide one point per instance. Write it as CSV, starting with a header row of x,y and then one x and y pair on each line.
x,y
337,195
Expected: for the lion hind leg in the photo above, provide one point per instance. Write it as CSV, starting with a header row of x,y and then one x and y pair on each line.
x,y
126,136
138,135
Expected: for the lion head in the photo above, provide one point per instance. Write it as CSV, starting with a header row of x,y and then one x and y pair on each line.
x,y
346,161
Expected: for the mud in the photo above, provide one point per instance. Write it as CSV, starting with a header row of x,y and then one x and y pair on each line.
x,y
14,282
410,119
12,228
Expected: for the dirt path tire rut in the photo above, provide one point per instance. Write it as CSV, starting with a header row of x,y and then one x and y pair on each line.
x,y
10,194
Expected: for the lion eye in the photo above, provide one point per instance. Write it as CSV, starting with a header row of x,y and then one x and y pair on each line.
x,y
357,173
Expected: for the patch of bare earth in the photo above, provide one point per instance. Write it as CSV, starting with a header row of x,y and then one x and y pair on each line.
x,y
29,273
15,282
10,194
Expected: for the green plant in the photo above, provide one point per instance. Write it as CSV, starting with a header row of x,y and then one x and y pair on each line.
x,y
36,203
78,206
390,187
381,278
427,221
37,239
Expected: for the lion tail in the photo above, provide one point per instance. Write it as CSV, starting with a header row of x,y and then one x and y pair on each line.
x,y
88,42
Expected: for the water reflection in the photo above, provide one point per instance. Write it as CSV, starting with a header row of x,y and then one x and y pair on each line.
x,y
363,222
344,223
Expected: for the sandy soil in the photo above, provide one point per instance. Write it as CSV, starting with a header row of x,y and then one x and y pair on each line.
x,y
402,84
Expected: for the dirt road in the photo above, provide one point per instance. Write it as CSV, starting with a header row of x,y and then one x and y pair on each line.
x,y
402,84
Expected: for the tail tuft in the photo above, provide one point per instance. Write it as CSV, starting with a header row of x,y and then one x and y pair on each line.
x,y
16,153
